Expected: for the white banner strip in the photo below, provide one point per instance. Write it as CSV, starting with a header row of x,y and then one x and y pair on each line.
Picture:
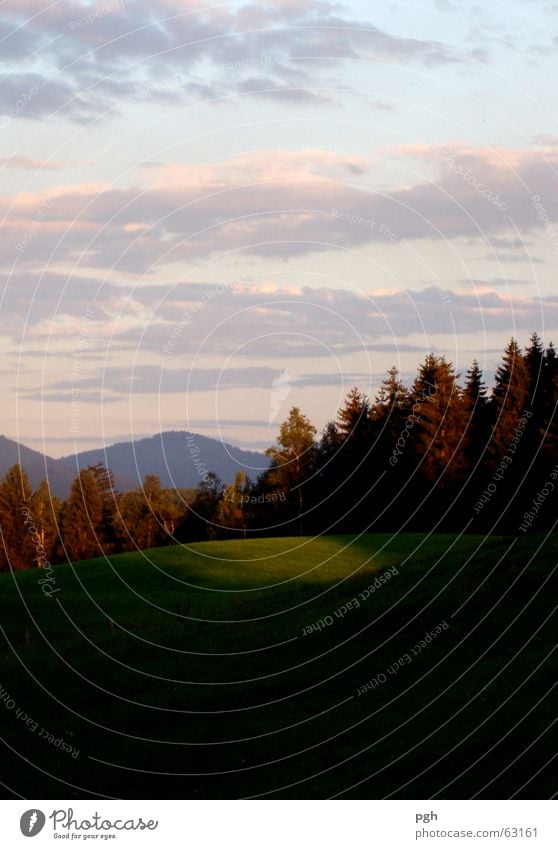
x,y
279,824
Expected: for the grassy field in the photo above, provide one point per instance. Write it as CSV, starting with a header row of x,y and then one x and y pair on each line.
x,y
194,672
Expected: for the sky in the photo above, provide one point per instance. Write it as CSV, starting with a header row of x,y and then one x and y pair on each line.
x,y
213,213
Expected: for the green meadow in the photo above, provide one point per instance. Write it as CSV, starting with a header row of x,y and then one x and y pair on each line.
x,y
285,668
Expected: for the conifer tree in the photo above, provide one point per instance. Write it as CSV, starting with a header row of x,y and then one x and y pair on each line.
x,y
549,404
82,519
353,417
509,400
534,360
107,490
16,546
361,465
389,411
440,421
392,394
475,407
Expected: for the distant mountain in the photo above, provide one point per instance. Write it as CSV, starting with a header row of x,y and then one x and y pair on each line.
x,y
179,458
38,466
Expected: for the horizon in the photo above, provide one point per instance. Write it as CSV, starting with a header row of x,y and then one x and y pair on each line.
x,y
91,444
123,441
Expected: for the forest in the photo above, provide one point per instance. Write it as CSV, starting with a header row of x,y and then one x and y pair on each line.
x,y
443,454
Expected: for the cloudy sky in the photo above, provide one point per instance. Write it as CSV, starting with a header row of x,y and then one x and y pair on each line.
x,y
214,212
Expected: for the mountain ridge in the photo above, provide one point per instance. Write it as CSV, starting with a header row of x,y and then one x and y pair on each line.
x,y
179,458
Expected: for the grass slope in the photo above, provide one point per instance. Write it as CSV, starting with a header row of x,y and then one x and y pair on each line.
x,y
180,673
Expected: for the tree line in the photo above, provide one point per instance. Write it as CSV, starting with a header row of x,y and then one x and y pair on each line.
x,y
442,454
438,455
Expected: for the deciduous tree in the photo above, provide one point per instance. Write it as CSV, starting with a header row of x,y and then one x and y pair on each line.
x,y
292,459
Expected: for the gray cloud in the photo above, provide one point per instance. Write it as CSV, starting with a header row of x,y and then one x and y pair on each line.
x,y
31,297
101,57
282,204
98,398
183,325
498,283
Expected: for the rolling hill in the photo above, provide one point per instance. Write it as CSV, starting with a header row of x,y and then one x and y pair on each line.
x,y
286,668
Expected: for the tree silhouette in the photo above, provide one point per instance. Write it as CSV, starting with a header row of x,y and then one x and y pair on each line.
x,y
475,408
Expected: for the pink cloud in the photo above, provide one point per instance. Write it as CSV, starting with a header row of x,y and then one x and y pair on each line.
x,y
22,162
286,203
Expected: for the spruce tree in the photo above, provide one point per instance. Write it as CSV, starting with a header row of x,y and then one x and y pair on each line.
x,y
353,417
356,463
107,490
509,400
534,360
17,549
392,394
82,519
325,486
388,415
475,408
549,405
438,420
389,412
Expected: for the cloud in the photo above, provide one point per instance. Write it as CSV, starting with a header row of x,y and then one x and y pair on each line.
x,y
545,140
23,163
32,96
154,380
270,89
184,327
282,203
104,56
117,383
138,346
29,298
496,283
97,398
